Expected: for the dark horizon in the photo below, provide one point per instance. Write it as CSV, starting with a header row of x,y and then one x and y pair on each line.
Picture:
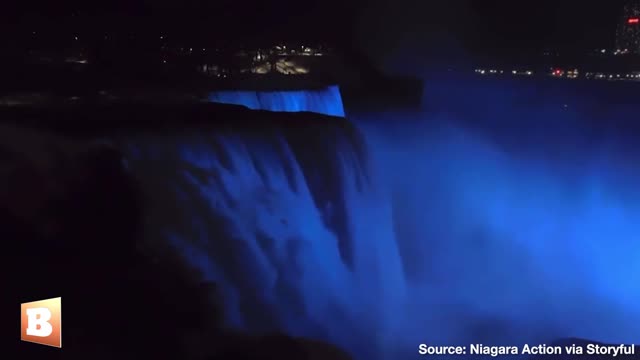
x,y
493,28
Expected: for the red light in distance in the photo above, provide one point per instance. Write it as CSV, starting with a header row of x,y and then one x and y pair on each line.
x,y
633,21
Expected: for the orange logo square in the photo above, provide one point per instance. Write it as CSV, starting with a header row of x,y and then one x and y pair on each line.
x,y
41,322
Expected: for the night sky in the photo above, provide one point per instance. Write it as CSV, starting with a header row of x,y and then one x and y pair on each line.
x,y
378,26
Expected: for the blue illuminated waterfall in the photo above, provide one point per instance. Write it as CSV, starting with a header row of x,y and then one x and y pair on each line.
x,y
324,101
396,231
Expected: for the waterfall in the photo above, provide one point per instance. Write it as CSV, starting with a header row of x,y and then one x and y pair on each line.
x,y
324,101
381,237
266,216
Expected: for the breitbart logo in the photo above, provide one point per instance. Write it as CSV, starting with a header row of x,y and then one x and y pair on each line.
x,y
41,322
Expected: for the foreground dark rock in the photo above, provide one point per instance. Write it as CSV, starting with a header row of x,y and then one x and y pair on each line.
x,y
71,220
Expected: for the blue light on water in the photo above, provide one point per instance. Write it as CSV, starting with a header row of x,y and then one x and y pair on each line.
x,y
461,235
324,101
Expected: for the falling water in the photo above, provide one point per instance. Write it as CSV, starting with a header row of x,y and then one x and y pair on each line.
x,y
428,230
324,101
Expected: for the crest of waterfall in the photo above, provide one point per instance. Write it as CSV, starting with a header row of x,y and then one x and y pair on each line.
x,y
323,101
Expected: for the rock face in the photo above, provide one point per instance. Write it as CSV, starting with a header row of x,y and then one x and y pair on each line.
x,y
586,345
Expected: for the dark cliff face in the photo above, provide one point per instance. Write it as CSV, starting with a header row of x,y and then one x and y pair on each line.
x,y
77,240
72,223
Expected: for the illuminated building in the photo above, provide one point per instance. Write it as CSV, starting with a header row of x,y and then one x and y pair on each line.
x,y
628,31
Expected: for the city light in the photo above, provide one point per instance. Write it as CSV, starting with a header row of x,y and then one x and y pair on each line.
x,y
628,30
568,74
494,71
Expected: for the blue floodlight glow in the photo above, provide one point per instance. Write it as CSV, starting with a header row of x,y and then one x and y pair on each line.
x,y
461,232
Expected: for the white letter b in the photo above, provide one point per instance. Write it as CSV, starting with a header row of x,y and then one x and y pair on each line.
x,y
38,322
